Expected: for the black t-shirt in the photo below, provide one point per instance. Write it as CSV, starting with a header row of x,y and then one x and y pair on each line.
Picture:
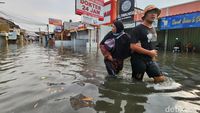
x,y
122,45
146,36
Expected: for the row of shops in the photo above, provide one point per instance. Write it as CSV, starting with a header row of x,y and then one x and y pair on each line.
x,y
184,28
18,36
13,36
11,33
92,27
80,34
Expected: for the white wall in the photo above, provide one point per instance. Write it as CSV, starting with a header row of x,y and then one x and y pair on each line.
x,y
80,35
66,43
103,31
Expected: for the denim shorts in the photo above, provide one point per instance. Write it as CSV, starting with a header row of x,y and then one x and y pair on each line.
x,y
140,66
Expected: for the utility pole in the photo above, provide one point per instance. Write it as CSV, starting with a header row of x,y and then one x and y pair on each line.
x,y
40,38
166,33
47,38
48,30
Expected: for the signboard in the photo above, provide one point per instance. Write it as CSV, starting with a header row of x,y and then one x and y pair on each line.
x,y
12,36
107,13
155,23
93,8
66,25
73,25
129,25
89,20
55,22
180,21
58,29
126,10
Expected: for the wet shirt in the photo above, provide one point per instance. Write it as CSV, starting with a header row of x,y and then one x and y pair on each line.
x,y
146,36
121,49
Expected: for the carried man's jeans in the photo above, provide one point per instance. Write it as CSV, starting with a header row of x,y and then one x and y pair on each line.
x,y
113,67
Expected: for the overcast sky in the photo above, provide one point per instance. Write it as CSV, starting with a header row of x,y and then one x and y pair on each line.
x,y
41,10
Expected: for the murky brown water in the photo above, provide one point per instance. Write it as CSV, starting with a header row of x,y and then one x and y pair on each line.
x,y
34,79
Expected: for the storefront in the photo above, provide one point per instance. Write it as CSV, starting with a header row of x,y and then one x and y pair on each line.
x,y
184,28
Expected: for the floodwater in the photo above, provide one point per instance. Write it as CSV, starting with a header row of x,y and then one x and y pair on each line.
x,y
34,79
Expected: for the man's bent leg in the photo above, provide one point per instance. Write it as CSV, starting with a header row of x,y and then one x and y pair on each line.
x,y
138,69
153,71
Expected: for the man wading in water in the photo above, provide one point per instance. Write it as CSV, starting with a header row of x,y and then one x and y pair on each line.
x,y
142,56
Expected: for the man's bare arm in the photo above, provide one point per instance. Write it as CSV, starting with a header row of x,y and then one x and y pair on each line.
x,y
139,49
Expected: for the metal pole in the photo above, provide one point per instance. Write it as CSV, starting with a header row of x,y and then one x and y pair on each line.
x,y
166,34
48,30
118,8
166,40
75,39
90,38
40,36
47,35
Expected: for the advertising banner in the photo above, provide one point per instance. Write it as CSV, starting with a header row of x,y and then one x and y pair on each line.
x,y
58,29
89,20
180,21
55,22
93,8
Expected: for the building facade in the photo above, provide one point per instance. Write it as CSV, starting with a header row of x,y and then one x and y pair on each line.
x,y
180,22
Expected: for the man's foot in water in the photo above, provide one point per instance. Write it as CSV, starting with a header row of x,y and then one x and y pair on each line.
x,y
159,79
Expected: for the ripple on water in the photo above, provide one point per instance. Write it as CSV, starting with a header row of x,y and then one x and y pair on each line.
x,y
168,85
167,102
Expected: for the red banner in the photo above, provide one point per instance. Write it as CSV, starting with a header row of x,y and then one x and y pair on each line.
x,y
55,22
93,8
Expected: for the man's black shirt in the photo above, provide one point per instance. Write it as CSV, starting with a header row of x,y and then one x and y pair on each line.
x,y
146,36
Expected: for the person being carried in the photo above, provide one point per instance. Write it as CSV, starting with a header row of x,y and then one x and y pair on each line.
x,y
115,47
142,56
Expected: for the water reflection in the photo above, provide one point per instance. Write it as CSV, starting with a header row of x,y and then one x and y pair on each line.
x,y
117,96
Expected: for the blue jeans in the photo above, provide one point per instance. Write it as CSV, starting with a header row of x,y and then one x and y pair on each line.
x,y
113,67
140,66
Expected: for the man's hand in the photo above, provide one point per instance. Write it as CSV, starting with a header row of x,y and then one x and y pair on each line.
x,y
139,44
109,58
153,53
139,49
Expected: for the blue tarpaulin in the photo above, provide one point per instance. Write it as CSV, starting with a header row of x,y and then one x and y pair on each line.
x,y
180,21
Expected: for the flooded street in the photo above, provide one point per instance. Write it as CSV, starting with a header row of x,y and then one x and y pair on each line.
x,y
34,79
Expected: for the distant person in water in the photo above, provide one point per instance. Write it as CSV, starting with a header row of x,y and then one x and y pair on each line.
x,y
177,46
142,56
115,47
190,48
